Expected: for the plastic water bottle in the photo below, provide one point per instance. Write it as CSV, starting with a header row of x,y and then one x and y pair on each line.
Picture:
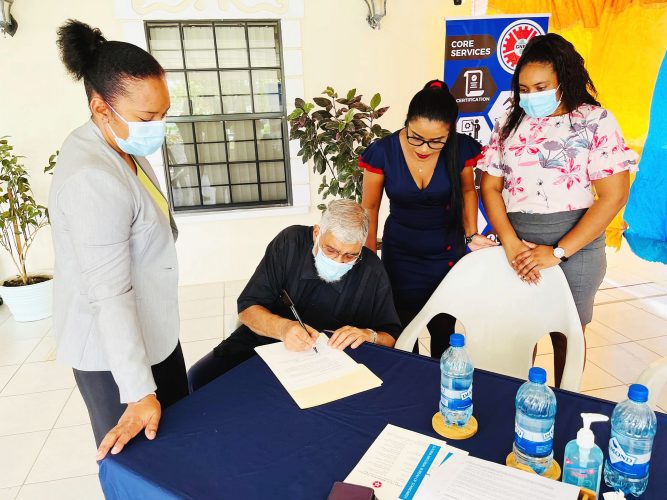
x,y
534,422
633,426
456,382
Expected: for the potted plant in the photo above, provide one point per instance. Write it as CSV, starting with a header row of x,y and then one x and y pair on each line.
x,y
333,132
28,296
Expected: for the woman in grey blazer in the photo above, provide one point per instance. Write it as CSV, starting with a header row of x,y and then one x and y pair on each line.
x,y
116,274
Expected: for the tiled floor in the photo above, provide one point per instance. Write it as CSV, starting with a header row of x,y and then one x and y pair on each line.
x,y
46,444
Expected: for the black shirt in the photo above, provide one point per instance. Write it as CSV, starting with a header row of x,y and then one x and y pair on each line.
x,y
362,298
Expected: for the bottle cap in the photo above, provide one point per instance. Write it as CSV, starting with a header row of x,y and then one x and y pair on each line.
x,y
537,375
638,393
585,436
457,340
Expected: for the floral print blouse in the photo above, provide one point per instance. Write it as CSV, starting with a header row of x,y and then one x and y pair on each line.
x,y
548,163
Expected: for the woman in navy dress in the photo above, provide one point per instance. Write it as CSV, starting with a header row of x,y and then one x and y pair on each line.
x,y
426,170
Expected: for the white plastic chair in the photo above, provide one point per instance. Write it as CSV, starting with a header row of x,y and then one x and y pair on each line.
x,y
503,316
654,377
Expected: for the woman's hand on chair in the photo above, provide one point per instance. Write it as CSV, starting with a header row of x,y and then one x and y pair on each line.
x,y
479,241
145,413
533,260
515,248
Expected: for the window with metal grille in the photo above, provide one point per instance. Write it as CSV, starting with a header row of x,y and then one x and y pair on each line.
x,y
226,144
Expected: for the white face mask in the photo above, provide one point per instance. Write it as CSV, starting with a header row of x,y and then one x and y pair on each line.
x,y
328,269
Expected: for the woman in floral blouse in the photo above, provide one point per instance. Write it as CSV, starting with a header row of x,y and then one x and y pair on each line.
x,y
556,148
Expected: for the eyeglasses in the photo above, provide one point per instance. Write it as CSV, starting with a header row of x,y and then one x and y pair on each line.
x,y
334,254
418,141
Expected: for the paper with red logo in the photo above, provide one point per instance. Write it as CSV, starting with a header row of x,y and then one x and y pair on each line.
x,y
398,462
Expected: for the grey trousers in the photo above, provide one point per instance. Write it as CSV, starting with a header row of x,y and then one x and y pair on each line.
x,y
100,392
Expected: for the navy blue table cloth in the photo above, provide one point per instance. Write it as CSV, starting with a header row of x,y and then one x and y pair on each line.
x,y
243,437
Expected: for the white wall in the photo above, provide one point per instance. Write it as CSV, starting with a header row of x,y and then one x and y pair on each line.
x,y
327,42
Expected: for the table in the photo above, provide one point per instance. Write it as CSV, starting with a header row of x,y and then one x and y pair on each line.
x,y
243,437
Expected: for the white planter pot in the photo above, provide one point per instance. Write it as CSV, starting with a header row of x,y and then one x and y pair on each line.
x,y
30,302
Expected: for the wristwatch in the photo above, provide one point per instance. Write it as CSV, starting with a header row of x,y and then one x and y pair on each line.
x,y
469,238
559,253
374,335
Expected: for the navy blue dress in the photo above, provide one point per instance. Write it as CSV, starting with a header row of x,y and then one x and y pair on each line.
x,y
421,241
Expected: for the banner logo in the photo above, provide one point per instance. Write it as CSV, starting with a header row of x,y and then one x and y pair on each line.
x,y
513,40
473,89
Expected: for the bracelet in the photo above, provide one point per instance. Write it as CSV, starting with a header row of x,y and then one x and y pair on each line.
x,y
469,238
374,335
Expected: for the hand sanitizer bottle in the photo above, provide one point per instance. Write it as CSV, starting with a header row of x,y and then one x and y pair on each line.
x,y
582,464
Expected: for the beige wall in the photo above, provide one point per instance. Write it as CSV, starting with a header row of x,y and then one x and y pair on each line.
x,y
39,104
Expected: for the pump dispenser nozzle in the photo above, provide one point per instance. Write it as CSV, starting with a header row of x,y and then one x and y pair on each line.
x,y
585,437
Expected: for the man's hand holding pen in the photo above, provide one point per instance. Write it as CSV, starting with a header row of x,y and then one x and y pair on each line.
x,y
296,338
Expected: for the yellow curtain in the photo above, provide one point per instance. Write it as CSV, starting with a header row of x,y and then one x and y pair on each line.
x,y
623,43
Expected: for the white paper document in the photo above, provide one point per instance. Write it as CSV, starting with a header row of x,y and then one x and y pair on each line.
x,y
398,462
297,370
471,478
314,378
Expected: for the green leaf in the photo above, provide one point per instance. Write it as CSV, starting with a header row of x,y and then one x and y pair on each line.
x,y
375,101
320,163
309,106
295,114
349,115
333,187
351,94
331,125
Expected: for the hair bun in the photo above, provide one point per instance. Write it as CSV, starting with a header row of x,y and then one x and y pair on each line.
x,y
78,42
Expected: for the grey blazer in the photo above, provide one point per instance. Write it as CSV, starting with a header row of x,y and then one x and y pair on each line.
x,y
116,273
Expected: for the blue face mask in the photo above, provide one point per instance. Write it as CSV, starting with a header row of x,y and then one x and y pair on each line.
x,y
539,104
144,138
328,269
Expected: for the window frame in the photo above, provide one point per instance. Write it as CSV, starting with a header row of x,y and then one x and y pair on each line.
x,y
193,119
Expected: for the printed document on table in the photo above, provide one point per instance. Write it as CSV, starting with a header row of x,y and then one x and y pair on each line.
x,y
398,461
314,378
476,479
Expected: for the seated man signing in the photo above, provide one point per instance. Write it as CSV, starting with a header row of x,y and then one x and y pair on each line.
x,y
335,282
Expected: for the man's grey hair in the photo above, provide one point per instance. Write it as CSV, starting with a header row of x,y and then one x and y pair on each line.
x,y
346,220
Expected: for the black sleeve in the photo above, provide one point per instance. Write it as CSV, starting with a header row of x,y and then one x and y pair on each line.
x,y
268,280
385,317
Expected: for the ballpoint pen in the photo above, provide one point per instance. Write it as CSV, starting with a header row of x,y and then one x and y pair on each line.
x,y
285,298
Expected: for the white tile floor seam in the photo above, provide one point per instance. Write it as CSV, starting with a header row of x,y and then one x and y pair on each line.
x,y
10,371
630,323
43,444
